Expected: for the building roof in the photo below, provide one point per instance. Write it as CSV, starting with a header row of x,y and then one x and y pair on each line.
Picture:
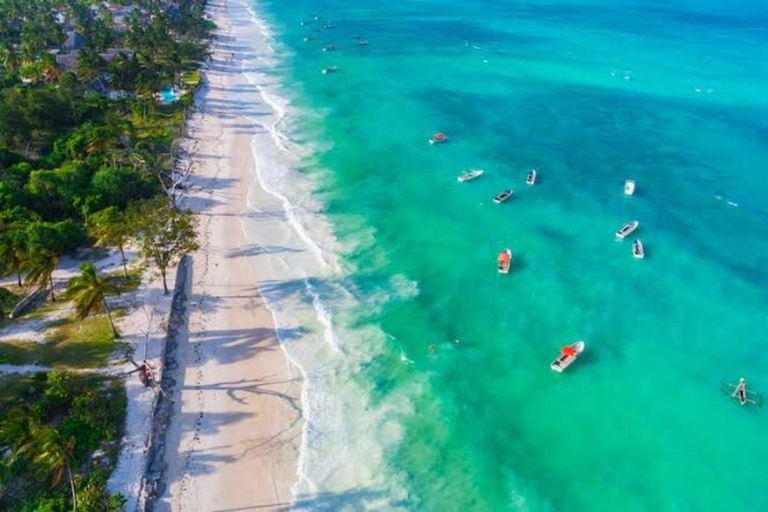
x,y
74,41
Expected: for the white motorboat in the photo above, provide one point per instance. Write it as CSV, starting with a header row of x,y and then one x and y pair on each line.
x,y
531,178
629,187
637,249
505,261
568,354
362,42
329,48
627,229
438,138
502,196
470,175
329,69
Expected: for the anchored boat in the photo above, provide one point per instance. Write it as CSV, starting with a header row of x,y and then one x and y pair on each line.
x,y
637,249
329,48
740,392
568,354
531,178
627,229
470,175
629,187
502,196
329,69
438,138
505,261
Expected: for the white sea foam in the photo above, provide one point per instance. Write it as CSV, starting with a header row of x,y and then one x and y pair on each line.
x,y
346,437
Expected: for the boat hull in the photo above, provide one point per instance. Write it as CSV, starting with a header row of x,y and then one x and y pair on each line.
x,y
563,361
505,261
638,251
627,230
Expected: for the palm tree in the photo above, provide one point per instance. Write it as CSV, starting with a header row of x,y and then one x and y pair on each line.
x,y
88,291
52,455
13,253
110,227
40,270
42,445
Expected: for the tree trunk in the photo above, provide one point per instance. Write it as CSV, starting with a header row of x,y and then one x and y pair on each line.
x,y
18,276
50,282
109,315
125,267
165,286
72,488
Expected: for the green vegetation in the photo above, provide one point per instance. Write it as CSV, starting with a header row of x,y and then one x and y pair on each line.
x,y
70,343
52,429
120,283
8,299
89,294
168,234
71,160
79,167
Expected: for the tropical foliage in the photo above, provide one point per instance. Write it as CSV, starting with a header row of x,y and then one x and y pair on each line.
x,y
51,425
76,165
88,292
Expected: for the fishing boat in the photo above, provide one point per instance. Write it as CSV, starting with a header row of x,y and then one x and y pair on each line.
x,y
502,196
531,178
470,175
637,249
329,69
568,354
438,138
505,261
329,48
740,392
629,187
627,229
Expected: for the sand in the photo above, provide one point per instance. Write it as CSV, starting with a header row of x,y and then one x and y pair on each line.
x,y
235,435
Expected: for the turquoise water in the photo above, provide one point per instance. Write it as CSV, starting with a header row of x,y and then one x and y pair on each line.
x,y
168,95
672,94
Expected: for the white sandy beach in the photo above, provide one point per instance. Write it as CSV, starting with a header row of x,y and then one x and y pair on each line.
x,y
235,436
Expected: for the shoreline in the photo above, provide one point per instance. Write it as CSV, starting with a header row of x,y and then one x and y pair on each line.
x,y
235,434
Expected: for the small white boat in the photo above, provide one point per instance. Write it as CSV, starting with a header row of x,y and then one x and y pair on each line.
x,y
328,26
329,69
637,249
505,261
309,38
502,196
470,175
627,229
531,178
438,138
329,48
362,42
568,354
629,187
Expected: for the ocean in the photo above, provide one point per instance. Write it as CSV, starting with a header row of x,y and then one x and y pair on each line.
x,y
590,93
